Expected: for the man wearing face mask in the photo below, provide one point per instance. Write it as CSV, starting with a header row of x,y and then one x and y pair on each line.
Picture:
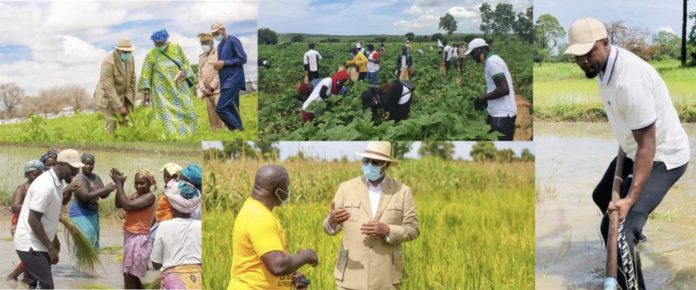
x,y
260,257
500,95
377,214
35,239
208,88
115,93
647,127
230,66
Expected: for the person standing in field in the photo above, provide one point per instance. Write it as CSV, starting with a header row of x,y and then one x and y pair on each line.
x,y
461,57
311,60
32,170
647,127
382,49
408,46
35,239
260,257
49,159
208,88
115,93
377,214
325,88
167,78
500,95
360,62
230,66
404,64
139,210
372,65
163,210
84,210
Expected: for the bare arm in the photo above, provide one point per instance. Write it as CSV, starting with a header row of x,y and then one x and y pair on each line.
x,y
18,198
137,203
501,89
642,167
85,195
38,229
281,264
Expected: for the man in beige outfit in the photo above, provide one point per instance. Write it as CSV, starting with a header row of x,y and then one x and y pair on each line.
x,y
377,214
208,88
115,93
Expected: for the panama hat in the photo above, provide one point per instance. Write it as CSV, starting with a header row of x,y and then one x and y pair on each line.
x,y
216,26
583,34
378,150
70,156
124,44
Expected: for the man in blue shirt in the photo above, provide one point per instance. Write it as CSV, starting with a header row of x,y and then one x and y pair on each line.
x,y
231,58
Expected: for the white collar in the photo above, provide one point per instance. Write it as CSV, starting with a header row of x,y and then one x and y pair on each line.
x,y
56,181
378,187
605,76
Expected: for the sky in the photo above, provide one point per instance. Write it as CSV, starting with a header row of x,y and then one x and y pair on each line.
x,y
337,149
44,44
653,16
361,17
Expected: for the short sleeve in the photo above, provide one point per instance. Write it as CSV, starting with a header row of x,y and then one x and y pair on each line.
x,y
158,245
494,68
636,105
40,198
265,236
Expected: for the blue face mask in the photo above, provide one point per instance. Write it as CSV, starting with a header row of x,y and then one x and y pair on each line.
x,y
372,172
125,56
219,37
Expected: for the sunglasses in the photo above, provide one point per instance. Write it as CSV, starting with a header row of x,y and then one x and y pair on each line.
x,y
374,162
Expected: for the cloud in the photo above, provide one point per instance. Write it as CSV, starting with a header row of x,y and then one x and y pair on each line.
x,y
666,29
461,13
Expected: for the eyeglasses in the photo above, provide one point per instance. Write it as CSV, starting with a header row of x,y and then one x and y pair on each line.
x,y
374,162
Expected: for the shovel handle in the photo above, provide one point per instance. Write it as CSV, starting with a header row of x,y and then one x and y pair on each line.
x,y
612,236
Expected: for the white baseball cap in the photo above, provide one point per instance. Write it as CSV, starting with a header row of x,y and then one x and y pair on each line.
x,y
583,34
474,44
70,156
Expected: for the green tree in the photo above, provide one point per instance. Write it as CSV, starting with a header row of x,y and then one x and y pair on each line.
x,y
437,36
267,150
443,150
448,23
410,36
499,21
527,155
505,155
483,151
297,38
547,33
523,26
666,45
401,148
239,149
267,36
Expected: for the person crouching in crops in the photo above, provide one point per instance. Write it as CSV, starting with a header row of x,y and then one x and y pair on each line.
x,y
177,244
395,98
260,256
500,95
139,209
32,170
323,90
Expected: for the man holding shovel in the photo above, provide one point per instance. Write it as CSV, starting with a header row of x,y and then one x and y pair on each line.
x,y
648,130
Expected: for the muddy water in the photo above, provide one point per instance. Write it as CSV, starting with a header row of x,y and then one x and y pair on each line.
x,y
570,254
65,275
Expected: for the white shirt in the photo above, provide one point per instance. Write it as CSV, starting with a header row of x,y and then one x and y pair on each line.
x,y
375,193
635,96
405,95
314,96
448,52
177,242
403,62
372,66
44,195
312,58
504,106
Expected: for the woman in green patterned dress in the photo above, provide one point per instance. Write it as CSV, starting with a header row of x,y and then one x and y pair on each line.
x,y
168,78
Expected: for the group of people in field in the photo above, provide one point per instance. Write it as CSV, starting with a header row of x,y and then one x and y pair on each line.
x,y
168,83
395,97
161,231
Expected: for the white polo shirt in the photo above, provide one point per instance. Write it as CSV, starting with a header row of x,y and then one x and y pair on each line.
x,y
504,106
44,195
371,66
312,58
177,242
314,96
635,96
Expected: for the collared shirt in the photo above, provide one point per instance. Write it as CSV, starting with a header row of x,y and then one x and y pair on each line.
x,y
45,195
231,52
504,106
634,97
372,66
312,58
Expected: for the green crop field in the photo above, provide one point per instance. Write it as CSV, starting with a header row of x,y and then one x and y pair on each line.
x,y
476,220
563,93
442,107
89,128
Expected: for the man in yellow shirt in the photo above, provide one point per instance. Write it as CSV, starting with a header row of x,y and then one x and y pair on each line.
x,y
360,61
260,258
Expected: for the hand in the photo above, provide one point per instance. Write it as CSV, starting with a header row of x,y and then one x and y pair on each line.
x,y
53,255
375,229
117,177
218,65
622,205
180,77
110,187
72,187
123,111
300,281
146,99
310,257
338,216
480,104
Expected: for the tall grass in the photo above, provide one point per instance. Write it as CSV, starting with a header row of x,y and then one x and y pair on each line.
x,y
476,220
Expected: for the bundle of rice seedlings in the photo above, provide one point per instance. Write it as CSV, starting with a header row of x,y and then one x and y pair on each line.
x,y
86,256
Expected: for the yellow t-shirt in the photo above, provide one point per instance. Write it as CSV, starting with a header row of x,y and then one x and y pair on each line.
x,y
256,232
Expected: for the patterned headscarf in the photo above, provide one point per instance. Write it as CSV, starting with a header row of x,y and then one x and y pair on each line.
x,y
160,35
51,153
87,156
193,173
34,165
184,197
150,177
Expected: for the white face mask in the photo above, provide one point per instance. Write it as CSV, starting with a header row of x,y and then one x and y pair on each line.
x,y
206,48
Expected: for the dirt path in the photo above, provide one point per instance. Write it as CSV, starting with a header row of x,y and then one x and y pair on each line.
x,y
524,125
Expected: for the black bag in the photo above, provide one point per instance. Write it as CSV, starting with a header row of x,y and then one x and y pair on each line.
x,y
190,84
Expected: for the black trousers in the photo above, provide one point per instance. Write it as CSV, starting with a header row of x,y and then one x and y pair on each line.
x,y
655,189
37,267
503,125
313,75
361,76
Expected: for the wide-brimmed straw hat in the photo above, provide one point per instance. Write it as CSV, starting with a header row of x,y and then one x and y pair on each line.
x,y
378,150
124,44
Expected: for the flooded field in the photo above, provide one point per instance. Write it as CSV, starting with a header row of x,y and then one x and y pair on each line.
x,y
569,252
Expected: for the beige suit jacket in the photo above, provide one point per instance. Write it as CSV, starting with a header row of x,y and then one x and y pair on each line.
x,y
373,263
116,85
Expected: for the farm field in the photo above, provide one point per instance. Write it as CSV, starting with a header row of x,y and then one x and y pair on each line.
x,y
476,230
442,107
